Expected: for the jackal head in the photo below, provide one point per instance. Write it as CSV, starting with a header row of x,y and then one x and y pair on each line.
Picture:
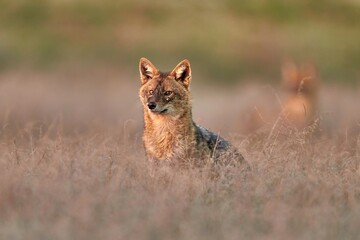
x,y
300,78
165,94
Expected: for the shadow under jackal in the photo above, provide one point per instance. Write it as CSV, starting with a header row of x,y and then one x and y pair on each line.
x,y
169,130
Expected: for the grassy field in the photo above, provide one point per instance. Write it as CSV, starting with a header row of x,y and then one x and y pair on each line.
x,y
72,165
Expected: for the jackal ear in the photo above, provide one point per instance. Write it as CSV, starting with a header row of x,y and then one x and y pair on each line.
x,y
182,73
147,70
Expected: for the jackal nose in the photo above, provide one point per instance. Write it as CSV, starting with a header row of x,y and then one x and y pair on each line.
x,y
152,105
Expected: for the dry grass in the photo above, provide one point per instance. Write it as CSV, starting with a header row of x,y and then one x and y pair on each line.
x,y
72,167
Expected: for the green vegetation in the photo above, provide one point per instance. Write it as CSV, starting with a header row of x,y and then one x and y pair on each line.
x,y
228,40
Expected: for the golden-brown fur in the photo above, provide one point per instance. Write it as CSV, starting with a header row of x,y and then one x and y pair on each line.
x,y
301,85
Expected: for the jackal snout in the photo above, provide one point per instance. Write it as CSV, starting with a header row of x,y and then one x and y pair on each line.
x,y
151,105
156,108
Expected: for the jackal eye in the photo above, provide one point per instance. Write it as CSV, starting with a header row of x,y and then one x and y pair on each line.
x,y
168,93
151,92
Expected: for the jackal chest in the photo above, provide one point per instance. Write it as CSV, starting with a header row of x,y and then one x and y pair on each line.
x,y
166,147
167,144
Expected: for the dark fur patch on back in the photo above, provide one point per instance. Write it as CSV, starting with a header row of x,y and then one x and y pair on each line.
x,y
214,141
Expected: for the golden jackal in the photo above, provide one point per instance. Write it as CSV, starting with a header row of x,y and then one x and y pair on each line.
x,y
169,131
301,84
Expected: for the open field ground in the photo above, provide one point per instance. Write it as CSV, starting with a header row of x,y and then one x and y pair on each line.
x,y
72,165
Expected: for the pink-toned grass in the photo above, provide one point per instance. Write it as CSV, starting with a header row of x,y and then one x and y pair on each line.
x,y
72,167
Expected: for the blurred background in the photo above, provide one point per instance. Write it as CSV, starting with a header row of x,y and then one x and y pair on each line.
x,y
76,61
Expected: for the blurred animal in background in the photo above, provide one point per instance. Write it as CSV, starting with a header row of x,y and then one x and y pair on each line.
x,y
294,106
301,86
